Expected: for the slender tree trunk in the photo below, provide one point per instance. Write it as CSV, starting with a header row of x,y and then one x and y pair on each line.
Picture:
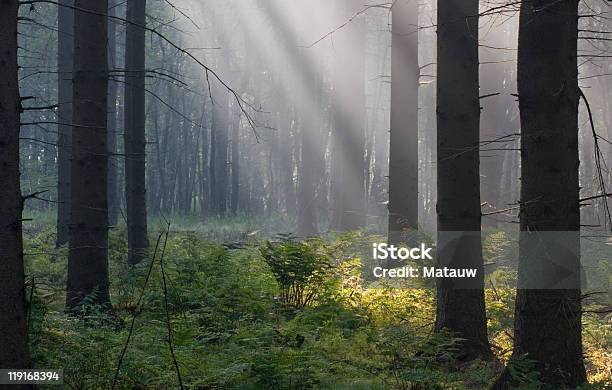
x,y
271,187
14,351
321,176
204,171
156,169
235,197
547,323
113,193
491,166
65,52
403,156
134,132
378,188
88,256
219,161
286,160
460,302
212,164
348,184
496,77
307,210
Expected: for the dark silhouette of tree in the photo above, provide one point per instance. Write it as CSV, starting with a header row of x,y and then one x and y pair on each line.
x,y
14,352
547,324
134,132
65,51
460,302
87,259
219,164
113,172
219,137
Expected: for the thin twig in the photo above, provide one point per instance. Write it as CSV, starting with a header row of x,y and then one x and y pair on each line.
x,y
136,312
168,324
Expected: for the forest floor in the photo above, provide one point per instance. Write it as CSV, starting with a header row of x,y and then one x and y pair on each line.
x,y
237,322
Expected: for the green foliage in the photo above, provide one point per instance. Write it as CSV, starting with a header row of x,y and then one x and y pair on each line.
x,y
524,374
231,329
300,268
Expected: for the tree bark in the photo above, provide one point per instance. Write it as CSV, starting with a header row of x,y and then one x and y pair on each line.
x,y
113,193
65,52
87,259
14,351
460,302
403,155
135,138
547,324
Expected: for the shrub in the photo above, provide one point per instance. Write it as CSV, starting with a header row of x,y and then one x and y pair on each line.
x,y
299,267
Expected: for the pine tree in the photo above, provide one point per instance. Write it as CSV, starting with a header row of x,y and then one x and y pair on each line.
x,y
88,249
135,138
14,351
460,303
403,156
547,323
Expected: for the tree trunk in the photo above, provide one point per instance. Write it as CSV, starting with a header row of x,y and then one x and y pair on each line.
x,y
113,193
87,259
348,181
219,162
460,302
309,140
65,52
286,160
235,197
403,156
547,324
14,352
134,132
307,211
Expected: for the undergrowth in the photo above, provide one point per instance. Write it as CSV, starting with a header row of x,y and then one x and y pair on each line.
x,y
240,318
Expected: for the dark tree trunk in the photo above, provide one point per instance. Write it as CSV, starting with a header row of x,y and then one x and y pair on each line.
x,y
460,302
403,156
65,52
14,351
156,169
113,193
547,324
87,259
219,155
134,132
